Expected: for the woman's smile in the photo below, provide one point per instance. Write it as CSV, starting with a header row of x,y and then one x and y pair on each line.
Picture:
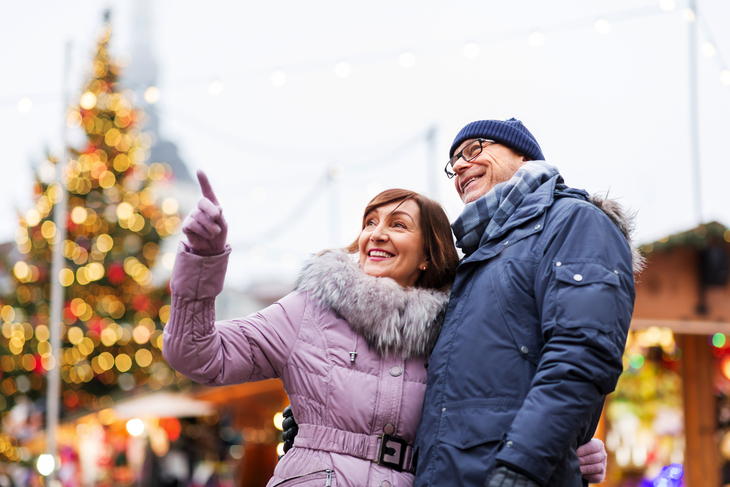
x,y
391,243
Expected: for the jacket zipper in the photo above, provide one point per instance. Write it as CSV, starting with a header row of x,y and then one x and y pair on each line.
x,y
329,479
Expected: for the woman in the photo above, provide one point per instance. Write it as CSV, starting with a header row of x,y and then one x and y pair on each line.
x,y
351,348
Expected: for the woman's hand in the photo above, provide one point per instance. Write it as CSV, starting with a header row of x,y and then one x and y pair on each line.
x,y
592,458
205,227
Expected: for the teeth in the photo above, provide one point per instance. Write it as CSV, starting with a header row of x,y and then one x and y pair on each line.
x,y
379,253
469,181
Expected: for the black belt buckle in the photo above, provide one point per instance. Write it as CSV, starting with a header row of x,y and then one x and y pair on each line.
x,y
392,452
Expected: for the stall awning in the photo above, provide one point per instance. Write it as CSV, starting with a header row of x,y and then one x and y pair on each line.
x,y
685,327
163,405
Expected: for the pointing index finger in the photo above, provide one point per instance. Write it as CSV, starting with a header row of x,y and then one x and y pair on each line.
x,y
206,187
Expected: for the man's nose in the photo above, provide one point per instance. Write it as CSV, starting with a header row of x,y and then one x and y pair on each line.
x,y
460,165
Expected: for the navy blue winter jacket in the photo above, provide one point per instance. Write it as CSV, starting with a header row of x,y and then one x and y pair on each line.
x,y
531,344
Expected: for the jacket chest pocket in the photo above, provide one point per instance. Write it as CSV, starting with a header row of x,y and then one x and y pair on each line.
x,y
586,295
513,284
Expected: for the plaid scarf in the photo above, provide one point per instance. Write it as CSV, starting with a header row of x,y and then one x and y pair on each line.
x,y
485,216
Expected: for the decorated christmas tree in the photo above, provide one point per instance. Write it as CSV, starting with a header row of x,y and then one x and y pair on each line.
x,y
113,312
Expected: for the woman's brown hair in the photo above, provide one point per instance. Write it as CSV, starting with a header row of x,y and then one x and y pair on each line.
x,y
437,240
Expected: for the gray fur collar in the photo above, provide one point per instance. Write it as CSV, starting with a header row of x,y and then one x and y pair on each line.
x,y
626,222
393,320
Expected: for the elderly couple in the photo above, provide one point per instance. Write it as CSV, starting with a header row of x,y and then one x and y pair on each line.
x,y
407,366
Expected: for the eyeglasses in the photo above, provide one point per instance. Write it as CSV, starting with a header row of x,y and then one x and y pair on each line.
x,y
468,153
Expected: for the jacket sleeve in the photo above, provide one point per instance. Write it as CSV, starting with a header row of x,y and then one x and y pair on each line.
x,y
585,296
226,352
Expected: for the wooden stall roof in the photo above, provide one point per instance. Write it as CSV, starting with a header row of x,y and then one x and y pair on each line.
x,y
668,290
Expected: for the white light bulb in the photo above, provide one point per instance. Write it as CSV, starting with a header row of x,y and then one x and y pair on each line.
x,y
471,49
335,171
25,104
278,78
602,26
407,60
215,87
709,49
46,464
278,421
343,69
135,427
537,39
725,76
689,15
152,95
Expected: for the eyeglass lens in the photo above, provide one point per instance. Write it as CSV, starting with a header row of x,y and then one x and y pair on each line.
x,y
468,153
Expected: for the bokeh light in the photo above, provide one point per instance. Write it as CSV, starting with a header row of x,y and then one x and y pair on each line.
x,y
278,77
45,464
215,87
152,95
471,50
602,26
407,60
536,39
25,105
343,69
87,100
135,427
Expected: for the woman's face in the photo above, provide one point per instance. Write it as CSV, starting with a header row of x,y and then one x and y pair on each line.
x,y
391,244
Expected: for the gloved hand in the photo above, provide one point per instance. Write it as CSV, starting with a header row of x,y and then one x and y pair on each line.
x,y
503,476
205,227
593,458
290,428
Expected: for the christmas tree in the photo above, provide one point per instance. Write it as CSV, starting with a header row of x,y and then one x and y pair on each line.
x,y
113,313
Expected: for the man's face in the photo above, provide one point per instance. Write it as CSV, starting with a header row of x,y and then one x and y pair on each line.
x,y
496,164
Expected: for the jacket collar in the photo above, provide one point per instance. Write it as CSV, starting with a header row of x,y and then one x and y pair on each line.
x,y
533,205
397,321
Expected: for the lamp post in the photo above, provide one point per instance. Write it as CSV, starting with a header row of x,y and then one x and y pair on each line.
x,y
693,113
53,376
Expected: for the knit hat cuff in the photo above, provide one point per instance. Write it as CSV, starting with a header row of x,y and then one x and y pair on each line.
x,y
510,133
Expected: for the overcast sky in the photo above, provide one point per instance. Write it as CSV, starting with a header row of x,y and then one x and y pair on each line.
x,y
610,109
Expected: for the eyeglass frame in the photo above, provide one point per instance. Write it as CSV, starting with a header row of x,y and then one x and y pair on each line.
x,y
460,154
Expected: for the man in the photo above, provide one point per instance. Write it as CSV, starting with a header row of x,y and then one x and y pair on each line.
x,y
536,325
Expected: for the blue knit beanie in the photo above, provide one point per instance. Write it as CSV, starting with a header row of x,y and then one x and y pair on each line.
x,y
510,133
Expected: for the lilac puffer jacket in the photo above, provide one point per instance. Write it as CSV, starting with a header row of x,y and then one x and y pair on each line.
x,y
350,349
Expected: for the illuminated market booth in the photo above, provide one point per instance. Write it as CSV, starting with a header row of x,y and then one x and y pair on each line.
x,y
670,415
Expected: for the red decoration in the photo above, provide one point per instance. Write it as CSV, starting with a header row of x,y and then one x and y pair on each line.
x,y
39,369
140,302
115,273
172,428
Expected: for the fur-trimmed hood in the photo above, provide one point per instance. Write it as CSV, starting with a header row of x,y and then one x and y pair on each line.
x,y
626,222
405,322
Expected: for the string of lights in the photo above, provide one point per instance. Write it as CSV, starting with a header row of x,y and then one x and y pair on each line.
x,y
330,175
303,157
344,67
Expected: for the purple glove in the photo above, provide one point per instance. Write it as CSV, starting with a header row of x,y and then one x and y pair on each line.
x,y
592,458
205,227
